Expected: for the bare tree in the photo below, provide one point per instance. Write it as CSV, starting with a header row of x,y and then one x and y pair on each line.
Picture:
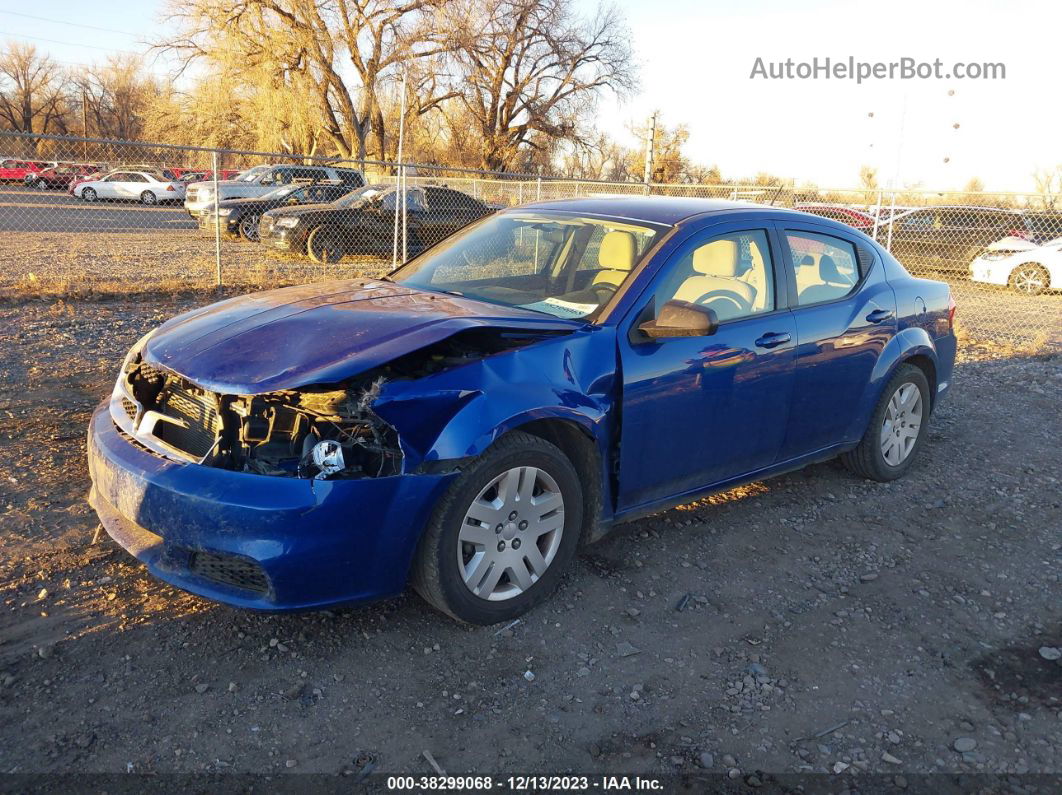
x,y
321,44
532,68
1049,185
115,96
32,90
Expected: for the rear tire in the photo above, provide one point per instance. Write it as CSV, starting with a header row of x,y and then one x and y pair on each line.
x,y
324,245
88,194
451,561
148,198
1030,278
888,447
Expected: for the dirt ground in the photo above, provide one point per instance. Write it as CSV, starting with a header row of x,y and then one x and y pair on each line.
x,y
812,623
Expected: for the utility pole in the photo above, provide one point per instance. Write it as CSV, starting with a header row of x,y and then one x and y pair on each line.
x,y
650,141
84,123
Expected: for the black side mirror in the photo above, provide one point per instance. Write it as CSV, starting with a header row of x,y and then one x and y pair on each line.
x,y
681,319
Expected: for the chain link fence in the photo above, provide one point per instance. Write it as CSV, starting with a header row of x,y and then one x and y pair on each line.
x,y
98,216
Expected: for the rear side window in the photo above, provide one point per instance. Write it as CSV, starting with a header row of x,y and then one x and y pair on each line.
x,y
826,268
350,177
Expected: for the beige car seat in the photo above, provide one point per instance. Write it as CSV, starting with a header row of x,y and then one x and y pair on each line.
x,y
830,284
616,257
717,285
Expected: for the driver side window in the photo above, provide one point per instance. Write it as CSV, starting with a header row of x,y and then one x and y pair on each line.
x,y
730,274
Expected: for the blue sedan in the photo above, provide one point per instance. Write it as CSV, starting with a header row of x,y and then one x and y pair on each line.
x,y
466,423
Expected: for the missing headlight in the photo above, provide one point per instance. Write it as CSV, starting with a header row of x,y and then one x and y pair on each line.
x,y
314,433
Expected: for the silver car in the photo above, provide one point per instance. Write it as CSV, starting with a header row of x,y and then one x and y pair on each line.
x,y
260,180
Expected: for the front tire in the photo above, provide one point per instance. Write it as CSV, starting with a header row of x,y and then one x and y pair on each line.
x,y
897,428
1030,278
499,540
324,245
88,194
249,226
148,198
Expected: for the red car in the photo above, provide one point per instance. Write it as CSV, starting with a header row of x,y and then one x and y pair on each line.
x,y
855,218
14,170
97,174
203,176
61,176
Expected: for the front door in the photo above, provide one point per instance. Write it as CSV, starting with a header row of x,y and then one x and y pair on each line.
x,y
701,410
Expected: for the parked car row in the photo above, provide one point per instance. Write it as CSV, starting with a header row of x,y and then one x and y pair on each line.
x,y
330,219
1015,248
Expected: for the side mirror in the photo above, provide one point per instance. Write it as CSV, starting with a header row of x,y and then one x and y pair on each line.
x,y
681,319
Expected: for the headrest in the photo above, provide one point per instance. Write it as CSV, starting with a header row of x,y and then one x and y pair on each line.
x,y
828,269
617,251
806,260
718,258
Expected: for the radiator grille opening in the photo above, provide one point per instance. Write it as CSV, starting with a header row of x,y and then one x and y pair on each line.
x,y
198,413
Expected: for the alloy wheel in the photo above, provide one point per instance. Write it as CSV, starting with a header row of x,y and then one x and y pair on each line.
x,y
88,194
249,227
511,533
903,419
147,197
1029,279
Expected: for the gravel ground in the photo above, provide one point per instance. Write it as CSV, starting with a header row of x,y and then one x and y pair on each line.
x,y
827,624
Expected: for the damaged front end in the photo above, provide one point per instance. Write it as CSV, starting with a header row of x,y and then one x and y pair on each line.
x,y
316,432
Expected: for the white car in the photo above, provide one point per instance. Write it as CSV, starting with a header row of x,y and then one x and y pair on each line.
x,y
1025,267
147,187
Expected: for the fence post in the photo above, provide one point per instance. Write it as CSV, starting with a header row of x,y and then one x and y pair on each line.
x,y
405,217
892,214
398,197
217,221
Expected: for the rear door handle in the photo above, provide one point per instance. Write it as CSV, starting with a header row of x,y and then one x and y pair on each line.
x,y
773,339
880,315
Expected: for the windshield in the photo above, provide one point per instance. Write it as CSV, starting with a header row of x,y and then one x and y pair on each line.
x,y
280,193
251,174
362,196
559,264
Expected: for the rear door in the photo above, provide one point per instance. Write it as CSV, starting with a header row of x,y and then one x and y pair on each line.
x,y
845,314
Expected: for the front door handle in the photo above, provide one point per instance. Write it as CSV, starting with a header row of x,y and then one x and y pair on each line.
x,y
880,315
773,339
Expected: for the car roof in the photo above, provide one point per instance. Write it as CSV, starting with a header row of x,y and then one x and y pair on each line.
x,y
654,209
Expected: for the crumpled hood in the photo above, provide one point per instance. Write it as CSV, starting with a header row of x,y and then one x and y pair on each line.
x,y
319,333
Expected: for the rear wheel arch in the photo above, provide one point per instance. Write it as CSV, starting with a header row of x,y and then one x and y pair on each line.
x,y
929,369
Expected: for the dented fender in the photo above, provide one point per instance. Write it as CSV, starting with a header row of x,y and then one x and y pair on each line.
x,y
459,412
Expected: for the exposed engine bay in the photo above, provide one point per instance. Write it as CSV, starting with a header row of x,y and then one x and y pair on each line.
x,y
327,431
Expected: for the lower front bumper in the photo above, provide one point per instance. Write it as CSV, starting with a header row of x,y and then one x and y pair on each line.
x,y
312,543
283,239
986,274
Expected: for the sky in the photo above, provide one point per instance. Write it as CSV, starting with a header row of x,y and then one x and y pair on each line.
x,y
695,59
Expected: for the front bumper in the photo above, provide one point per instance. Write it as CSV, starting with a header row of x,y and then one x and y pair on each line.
x,y
291,543
283,238
988,273
229,225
